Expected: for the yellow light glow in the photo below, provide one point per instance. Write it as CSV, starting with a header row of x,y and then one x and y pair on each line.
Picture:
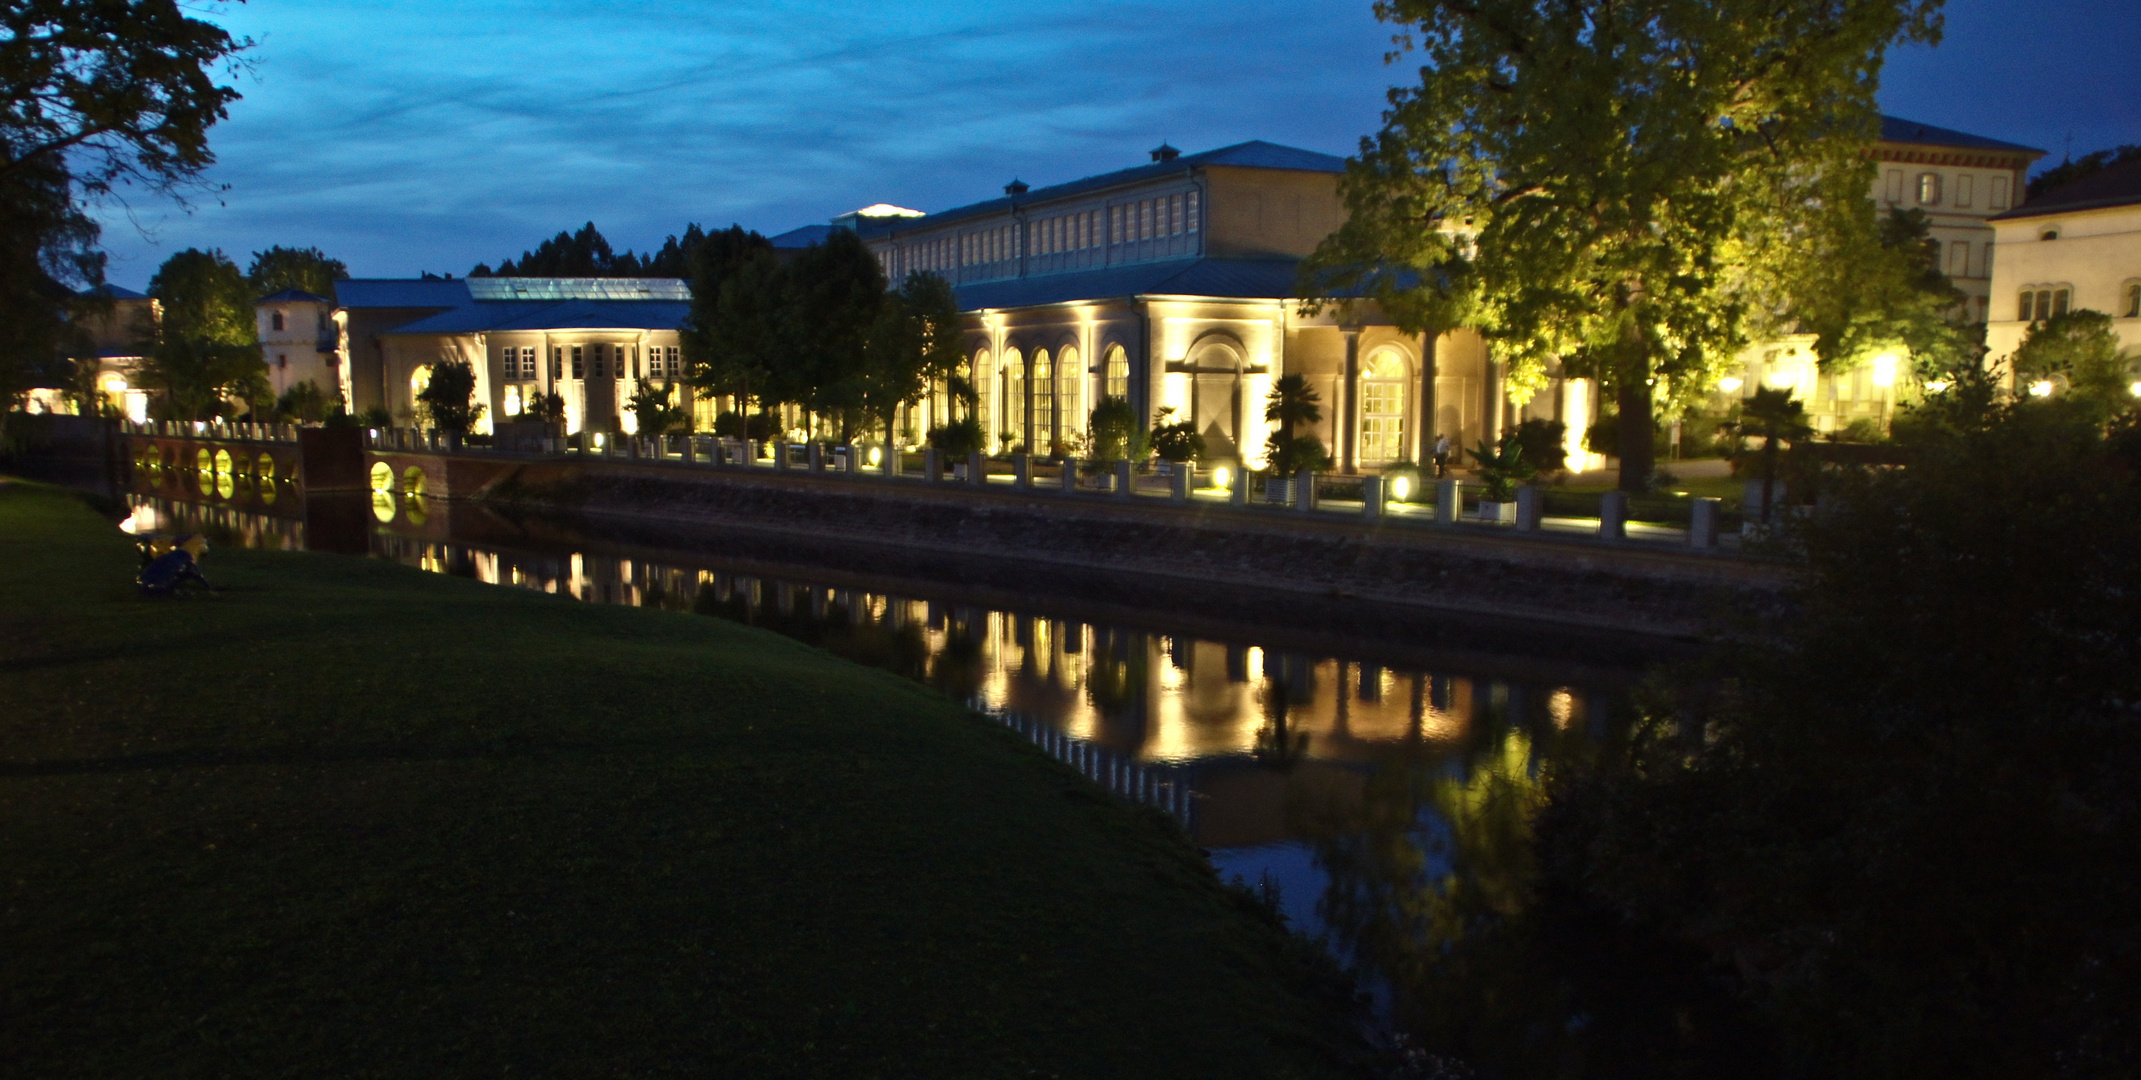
x,y
1938,385
1221,474
598,440
877,456
1401,488
1884,369
2041,388
1730,384
115,384
2135,389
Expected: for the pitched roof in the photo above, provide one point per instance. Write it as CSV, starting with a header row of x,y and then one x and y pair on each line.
x,y
1242,279
802,237
492,316
1895,129
401,292
2118,185
570,288
110,291
1255,154
293,296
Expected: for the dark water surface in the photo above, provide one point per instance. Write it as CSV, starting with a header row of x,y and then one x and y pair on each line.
x,y
1353,778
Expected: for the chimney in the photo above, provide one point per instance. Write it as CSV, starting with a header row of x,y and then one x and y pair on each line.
x,y
1165,153
1016,187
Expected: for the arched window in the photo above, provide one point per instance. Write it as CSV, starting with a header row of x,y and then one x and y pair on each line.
x,y
1070,395
1118,372
979,376
1012,427
2130,301
1382,407
1044,404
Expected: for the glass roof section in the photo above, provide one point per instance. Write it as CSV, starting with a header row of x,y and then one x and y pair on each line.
x,y
550,288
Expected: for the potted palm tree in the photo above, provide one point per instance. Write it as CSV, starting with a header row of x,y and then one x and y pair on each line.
x,y
1500,469
1776,417
1292,402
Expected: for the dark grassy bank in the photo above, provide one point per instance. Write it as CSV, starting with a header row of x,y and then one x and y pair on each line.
x,y
351,819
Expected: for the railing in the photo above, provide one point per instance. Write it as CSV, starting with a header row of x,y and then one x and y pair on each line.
x,y
221,431
1166,787
1699,524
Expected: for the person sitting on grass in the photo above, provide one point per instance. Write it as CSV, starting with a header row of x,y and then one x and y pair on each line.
x,y
166,574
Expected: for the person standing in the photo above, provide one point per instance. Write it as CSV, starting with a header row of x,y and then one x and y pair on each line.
x,y
1442,455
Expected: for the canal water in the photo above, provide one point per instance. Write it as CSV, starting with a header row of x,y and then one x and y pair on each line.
x,y
1339,776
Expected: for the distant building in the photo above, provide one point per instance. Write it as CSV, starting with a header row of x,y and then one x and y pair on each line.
x,y
2077,246
1171,284
1961,181
592,341
300,341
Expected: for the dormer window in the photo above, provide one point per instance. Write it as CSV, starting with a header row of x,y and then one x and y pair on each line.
x,y
1929,189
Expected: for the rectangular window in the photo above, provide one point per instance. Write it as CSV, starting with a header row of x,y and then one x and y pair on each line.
x,y
675,362
1193,211
2133,302
527,362
323,320
601,364
1929,189
1174,215
1997,194
620,362
1115,225
1144,219
1959,259
1895,185
579,369
1033,236
2059,303
557,363
1965,186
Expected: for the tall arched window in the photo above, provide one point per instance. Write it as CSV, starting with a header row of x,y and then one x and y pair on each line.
x,y
984,383
1012,426
1044,404
1118,372
2130,301
1382,407
1070,392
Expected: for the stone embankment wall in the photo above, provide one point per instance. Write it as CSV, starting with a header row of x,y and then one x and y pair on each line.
x,y
1231,555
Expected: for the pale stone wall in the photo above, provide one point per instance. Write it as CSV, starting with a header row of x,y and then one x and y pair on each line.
x,y
2097,257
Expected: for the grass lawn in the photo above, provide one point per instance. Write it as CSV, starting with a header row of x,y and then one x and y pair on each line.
x,y
348,818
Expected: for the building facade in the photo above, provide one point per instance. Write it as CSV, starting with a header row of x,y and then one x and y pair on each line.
x,y
2077,247
1171,285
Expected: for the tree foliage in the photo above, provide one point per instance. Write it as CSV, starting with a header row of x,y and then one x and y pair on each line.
x,y
657,411
449,397
206,350
587,253
94,97
1894,298
1631,189
309,269
2079,352
2089,164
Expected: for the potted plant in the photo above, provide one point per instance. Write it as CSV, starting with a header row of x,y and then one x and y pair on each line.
x,y
1500,469
1175,443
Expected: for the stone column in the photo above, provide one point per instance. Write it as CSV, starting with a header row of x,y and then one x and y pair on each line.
x,y
1305,489
1702,524
1022,471
1238,495
780,455
1531,504
1068,481
1371,497
1613,516
1449,501
1348,415
932,466
1124,480
817,456
1180,480
977,469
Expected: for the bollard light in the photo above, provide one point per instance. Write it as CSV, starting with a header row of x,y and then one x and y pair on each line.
x,y
1401,488
877,456
1730,384
598,440
1221,474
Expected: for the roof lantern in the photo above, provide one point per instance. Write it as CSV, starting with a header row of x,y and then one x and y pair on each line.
x,y
1164,152
1016,187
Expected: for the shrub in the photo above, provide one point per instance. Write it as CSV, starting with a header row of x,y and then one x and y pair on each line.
x,y
958,438
1176,442
1287,456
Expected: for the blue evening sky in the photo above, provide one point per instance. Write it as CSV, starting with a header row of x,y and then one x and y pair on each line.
x,y
402,136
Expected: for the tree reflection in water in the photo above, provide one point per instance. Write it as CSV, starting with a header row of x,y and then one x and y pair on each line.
x,y
1439,892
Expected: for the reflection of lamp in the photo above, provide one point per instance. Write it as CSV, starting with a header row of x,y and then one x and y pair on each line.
x,y
1401,487
2041,388
1730,384
1884,369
